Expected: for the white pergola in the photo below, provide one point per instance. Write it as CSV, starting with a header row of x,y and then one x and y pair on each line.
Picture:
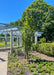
x,y
37,34
13,31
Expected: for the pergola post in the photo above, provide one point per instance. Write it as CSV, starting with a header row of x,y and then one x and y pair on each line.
x,y
35,40
17,40
20,41
11,41
5,40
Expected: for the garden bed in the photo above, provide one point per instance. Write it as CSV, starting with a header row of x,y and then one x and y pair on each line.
x,y
18,65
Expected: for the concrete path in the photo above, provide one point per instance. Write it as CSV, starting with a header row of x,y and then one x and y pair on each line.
x,y
3,62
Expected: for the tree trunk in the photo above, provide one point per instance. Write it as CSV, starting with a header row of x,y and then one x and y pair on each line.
x,y
27,56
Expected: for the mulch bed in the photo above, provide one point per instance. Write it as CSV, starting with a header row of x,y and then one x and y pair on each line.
x,y
42,56
21,57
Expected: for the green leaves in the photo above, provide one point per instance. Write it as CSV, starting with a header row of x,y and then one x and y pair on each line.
x,y
38,16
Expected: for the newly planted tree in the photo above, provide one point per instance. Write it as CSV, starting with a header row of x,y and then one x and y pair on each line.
x,y
26,39
27,34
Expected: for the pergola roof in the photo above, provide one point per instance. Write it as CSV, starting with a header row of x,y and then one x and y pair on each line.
x,y
7,28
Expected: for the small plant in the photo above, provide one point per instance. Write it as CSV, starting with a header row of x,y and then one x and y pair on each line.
x,y
35,73
41,66
43,73
32,70
17,69
14,54
34,47
52,73
13,50
16,64
18,51
42,40
13,73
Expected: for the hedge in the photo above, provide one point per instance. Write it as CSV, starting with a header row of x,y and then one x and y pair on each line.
x,y
46,48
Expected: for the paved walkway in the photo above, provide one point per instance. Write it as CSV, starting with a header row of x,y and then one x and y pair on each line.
x,y
3,62
42,56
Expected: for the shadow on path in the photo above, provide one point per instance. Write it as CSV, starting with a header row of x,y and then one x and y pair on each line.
x,y
2,59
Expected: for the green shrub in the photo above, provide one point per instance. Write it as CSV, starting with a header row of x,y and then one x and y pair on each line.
x,y
42,40
13,50
14,54
43,73
46,48
35,73
32,70
33,46
52,73
18,51
2,45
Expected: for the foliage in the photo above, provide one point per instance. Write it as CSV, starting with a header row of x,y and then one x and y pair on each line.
x,y
38,66
42,40
41,66
2,45
17,23
46,48
40,16
13,50
34,73
33,47
49,32
43,73
15,66
27,33
52,73
18,51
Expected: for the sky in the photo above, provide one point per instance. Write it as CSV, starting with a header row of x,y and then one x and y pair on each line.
x,y
12,10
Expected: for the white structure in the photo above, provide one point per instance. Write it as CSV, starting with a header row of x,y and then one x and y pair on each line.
x,y
37,34
13,31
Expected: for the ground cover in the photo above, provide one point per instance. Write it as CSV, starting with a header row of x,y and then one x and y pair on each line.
x,y
15,67
35,65
40,66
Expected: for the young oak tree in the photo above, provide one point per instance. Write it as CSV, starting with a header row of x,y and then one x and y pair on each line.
x,y
27,34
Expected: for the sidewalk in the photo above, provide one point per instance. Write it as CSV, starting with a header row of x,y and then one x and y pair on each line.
x,y
3,63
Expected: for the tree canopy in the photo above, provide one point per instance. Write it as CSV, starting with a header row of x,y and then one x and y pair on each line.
x,y
40,16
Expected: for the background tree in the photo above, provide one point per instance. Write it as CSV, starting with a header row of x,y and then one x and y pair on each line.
x,y
49,32
39,15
